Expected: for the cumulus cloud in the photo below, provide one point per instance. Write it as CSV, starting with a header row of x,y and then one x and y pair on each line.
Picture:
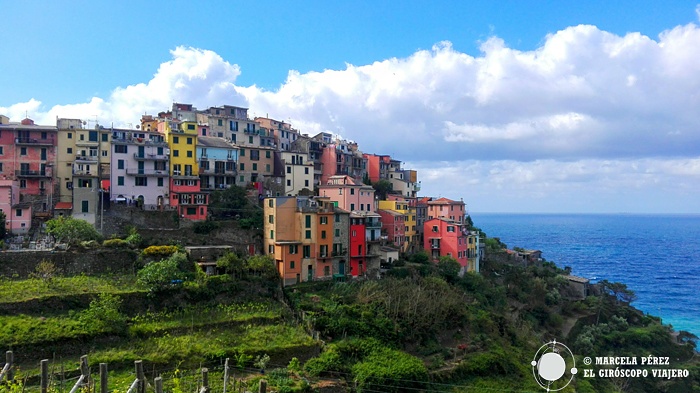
x,y
587,107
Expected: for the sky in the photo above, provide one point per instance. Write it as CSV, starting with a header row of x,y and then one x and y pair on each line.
x,y
514,106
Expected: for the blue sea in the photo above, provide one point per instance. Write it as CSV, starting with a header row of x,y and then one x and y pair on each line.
x,y
656,256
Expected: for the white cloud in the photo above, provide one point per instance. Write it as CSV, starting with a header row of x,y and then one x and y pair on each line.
x,y
587,111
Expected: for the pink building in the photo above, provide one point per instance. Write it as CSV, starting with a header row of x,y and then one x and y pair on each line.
x,y
18,215
447,208
444,237
350,194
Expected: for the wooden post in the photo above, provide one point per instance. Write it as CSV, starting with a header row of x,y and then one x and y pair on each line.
x,y
103,378
263,386
44,375
7,369
141,387
85,371
205,381
159,384
225,375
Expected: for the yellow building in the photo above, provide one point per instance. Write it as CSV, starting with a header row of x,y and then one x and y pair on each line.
x,y
185,191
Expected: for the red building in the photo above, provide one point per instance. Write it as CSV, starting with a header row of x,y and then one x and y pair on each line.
x,y
28,155
444,237
358,245
393,226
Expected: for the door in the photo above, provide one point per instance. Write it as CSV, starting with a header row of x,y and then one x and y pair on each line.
x,y
310,276
141,151
341,268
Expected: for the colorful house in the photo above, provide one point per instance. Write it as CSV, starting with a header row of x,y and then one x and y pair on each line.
x,y
140,169
445,237
18,215
185,192
218,161
447,208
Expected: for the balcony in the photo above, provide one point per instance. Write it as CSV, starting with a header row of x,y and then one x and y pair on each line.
x,y
34,141
186,176
373,225
87,143
28,173
150,157
83,172
147,172
217,171
340,253
86,159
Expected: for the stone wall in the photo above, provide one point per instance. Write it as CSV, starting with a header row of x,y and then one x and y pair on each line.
x,y
91,262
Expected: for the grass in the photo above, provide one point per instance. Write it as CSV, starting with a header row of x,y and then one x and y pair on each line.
x,y
14,291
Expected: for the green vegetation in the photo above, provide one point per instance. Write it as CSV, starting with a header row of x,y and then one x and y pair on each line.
x,y
71,230
17,291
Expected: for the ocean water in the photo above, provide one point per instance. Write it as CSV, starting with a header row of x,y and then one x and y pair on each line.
x,y
656,256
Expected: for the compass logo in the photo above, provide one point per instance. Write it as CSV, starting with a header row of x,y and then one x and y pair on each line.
x,y
551,364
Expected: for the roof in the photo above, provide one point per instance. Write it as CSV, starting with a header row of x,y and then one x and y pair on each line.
x,y
211,141
390,212
578,279
64,206
443,201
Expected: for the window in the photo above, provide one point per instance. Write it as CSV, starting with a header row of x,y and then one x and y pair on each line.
x,y
337,232
23,151
352,207
435,228
306,183
267,154
352,191
69,150
255,155
337,218
368,209
271,249
270,203
120,164
272,234
141,181
85,206
120,180
18,212
307,235
306,171
255,166
450,228
189,140
323,234
324,220
23,183
189,153
326,270
176,153
176,139
120,149
267,167
160,182
293,248
289,183
70,135
105,137
291,264
271,219
307,221
307,252
0,166
191,211
220,122
242,167
104,153
250,140
190,127
92,136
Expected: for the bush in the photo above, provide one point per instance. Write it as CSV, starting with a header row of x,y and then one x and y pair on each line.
x,y
103,315
157,276
389,370
160,251
115,243
71,230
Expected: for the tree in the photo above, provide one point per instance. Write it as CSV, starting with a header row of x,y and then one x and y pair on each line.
x,y
230,202
72,231
449,268
617,291
157,276
421,257
382,188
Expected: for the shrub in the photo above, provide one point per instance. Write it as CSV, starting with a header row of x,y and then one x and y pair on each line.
x,y
45,271
389,370
115,243
157,276
71,230
160,251
205,227
103,315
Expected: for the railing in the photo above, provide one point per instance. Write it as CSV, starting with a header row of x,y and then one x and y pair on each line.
x,y
28,173
34,141
339,253
156,157
86,158
147,172
371,224
209,171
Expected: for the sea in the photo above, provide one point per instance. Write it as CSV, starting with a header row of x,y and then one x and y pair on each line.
x,y
656,256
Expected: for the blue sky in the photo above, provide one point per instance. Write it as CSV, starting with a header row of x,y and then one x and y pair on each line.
x,y
515,104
